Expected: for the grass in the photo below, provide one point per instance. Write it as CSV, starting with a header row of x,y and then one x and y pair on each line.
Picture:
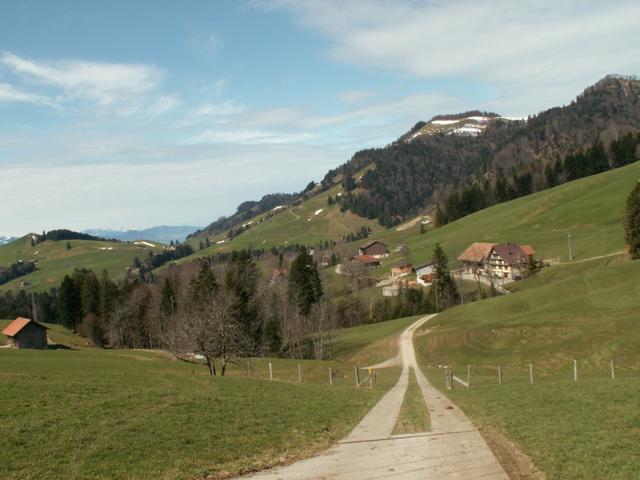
x,y
92,413
298,224
55,261
587,429
414,415
370,344
585,311
591,209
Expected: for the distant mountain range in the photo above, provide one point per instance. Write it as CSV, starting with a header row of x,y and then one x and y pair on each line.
x,y
163,233
5,240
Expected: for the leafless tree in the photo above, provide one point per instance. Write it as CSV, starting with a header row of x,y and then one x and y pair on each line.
x,y
209,329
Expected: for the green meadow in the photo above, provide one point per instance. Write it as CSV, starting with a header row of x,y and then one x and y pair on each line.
x,y
55,261
92,413
585,311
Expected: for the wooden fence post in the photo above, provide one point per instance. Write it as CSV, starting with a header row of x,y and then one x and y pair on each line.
x,y
499,374
575,370
613,372
446,379
370,378
299,373
249,368
468,375
270,371
531,373
357,377
330,376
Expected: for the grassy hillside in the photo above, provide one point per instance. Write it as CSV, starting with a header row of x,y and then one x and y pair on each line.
x,y
92,413
591,209
298,224
585,311
55,261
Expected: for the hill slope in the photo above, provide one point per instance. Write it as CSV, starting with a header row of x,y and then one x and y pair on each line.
x,y
54,260
591,209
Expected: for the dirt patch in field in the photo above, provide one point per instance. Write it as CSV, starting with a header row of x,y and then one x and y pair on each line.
x,y
516,463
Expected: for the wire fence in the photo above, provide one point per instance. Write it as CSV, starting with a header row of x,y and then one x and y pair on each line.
x,y
468,376
312,372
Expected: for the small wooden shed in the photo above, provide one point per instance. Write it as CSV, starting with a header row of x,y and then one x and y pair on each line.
x,y
26,333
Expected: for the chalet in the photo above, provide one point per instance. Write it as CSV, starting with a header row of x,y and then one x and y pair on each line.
x,y
375,249
509,261
474,258
367,260
26,333
424,274
401,271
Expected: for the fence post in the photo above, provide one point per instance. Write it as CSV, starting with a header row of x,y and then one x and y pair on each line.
x,y
370,378
249,368
499,374
330,376
613,372
446,379
575,370
531,373
469,375
357,377
270,371
299,373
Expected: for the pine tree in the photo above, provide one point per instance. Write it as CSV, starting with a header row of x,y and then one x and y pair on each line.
x,y
305,286
168,298
69,303
444,292
632,222
203,284
241,280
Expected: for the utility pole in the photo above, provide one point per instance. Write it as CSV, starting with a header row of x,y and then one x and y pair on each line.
x,y
34,312
569,240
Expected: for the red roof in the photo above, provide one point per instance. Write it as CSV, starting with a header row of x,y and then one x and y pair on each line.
x,y
528,250
18,324
366,259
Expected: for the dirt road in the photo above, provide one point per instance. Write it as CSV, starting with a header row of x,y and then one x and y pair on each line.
x,y
453,448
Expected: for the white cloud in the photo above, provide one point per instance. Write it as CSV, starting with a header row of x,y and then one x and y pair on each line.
x,y
547,50
251,137
164,104
9,94
104,83
120,192
225,108
354,96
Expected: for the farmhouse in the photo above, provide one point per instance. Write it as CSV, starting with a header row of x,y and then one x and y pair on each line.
x,y
424,274
509,261
401,271
26,333
474,258
375,249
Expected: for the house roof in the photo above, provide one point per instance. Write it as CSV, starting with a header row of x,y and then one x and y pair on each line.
x,y
425,265
511,254
402,267
476,252
366,259
528,250
18,324
371,243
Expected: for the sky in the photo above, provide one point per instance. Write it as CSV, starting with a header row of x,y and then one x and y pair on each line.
x,y
128,114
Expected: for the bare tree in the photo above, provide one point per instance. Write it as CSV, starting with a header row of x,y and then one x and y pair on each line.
x,y
209,329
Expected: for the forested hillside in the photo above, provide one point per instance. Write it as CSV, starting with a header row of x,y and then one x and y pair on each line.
x,y
417,172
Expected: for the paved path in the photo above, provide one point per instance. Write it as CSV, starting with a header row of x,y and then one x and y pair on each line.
x,y
453,449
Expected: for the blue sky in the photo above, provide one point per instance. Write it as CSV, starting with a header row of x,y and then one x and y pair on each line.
x,y
132,114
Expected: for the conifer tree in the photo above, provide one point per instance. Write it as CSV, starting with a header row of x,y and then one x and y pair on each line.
x,y
632,222
241,281
69,303
305,287
202,284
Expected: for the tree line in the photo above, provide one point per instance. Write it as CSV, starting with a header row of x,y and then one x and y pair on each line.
x,y
15,270
593,160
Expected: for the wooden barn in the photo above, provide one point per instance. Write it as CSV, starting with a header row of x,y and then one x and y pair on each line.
x,y
26,333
